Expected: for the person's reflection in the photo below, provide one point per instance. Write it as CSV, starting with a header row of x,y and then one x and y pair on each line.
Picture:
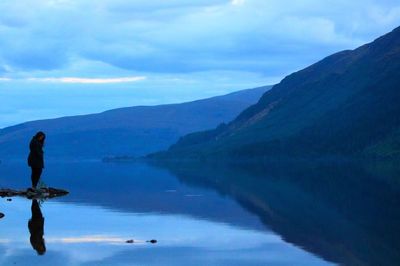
x,y
36,228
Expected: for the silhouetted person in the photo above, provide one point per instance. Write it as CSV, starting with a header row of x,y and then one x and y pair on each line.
x,y
36,229
35,158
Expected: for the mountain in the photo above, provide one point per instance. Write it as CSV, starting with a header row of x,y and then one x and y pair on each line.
x,y
132,131
344,105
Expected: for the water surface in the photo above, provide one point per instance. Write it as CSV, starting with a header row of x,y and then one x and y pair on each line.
x,y
204,215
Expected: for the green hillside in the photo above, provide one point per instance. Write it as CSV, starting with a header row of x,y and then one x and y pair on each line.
x,y
346,104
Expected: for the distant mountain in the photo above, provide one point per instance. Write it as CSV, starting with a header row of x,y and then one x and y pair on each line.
x,y
132,131
346,104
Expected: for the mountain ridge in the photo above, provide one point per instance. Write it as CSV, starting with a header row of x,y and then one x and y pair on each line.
x,y
133,130
329,108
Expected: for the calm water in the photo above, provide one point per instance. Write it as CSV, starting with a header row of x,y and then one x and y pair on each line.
x,y
204,215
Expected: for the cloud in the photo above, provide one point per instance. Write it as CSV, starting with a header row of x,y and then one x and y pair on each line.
x,y
88,80
184,50
237,2
181,36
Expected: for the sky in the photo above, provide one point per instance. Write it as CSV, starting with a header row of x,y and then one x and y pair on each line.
x,y
68,57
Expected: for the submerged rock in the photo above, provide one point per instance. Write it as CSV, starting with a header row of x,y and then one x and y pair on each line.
x,y
130,241
1,215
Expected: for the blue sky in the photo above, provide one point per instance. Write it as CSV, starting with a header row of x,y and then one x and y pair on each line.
x,y
66,57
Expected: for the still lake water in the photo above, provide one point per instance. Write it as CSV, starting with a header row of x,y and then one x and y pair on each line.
x,y
204,215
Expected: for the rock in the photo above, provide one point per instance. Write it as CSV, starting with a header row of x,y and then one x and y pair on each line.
x,y
130,241
30,193
1,215
56,192
9,199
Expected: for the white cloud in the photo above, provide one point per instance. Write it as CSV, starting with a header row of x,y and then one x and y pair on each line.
x,y
89,80
182,36
237,2
56,43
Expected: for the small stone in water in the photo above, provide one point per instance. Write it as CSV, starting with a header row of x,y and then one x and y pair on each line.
x,y
153,241
1,215
9,199
130,241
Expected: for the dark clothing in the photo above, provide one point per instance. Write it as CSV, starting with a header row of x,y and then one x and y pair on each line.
x,y
35,176
36,228
35,158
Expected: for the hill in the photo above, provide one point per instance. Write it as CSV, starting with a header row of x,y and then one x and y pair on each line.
x,y
344,105
132,131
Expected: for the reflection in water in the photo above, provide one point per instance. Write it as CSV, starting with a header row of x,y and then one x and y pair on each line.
x,y
36,228
344,213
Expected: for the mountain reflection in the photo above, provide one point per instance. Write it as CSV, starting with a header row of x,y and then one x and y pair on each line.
x,y
344,213
36,229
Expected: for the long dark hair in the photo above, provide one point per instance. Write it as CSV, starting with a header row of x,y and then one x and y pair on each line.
x,y
40,134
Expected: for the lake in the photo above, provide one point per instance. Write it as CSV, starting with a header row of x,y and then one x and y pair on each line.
x,y
270,214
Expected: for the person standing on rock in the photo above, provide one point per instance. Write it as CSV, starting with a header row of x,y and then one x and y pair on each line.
x,y
35,158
